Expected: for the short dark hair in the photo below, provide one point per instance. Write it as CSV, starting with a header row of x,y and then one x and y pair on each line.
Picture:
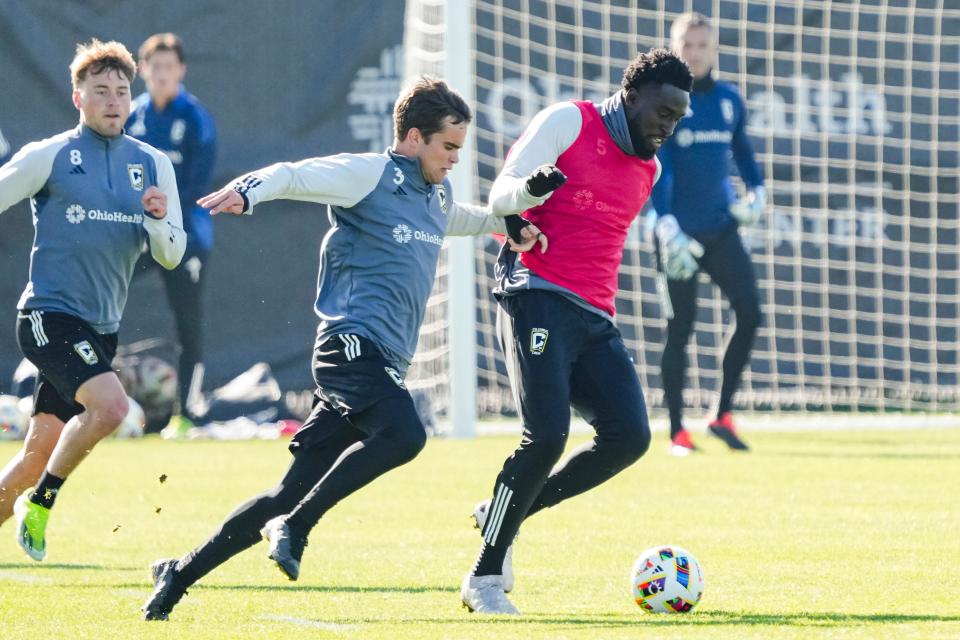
x,y
425,106
162,42
657,66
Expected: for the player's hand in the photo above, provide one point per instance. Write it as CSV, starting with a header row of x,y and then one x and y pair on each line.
x,y
748,210
544,180
226,200
155,203
678,251
529,237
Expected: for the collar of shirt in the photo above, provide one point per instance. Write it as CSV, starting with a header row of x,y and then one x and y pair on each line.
x,y
109,143
704,84
412,172
614,117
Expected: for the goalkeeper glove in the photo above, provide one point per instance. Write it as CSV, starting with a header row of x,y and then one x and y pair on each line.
x,y
748,210
544,180
678,251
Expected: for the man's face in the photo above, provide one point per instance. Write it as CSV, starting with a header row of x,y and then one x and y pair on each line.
x,y
697,48
652,113
162,73
104,101
438,156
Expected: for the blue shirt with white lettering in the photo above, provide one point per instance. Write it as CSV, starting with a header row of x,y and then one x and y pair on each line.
x,y
695,185
185,131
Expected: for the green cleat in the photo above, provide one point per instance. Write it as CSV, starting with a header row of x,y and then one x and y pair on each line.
x,y
31,527
177,429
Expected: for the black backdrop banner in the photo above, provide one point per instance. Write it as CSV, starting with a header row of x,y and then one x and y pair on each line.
x,y
284,81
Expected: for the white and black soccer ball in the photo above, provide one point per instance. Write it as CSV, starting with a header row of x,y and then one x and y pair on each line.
x,y
134,423
13,420
667,579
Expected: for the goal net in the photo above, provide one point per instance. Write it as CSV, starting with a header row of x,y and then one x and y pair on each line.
x,y
854,118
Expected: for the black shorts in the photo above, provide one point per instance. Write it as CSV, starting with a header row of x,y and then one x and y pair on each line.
x,y
351,376
67,352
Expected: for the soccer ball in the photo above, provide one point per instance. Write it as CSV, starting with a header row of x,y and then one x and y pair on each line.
x,y
132,425
667,579
13,421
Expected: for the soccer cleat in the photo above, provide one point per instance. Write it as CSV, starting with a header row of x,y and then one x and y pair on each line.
x,y
723,429
286,549
682,444
485,594
177,429
31,527
479,519
166,592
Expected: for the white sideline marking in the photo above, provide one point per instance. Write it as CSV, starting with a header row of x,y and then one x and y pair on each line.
x,y
770,422
24,577
313,624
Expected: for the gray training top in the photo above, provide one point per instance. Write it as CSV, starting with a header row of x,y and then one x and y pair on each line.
x,y
85,191
379,259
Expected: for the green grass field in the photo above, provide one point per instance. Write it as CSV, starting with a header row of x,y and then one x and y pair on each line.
x,y
850,534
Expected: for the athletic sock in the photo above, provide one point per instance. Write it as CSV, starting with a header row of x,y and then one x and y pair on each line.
x,y
490,561
46,492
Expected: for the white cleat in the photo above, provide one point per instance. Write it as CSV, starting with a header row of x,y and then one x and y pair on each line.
x,y
484,594
479,519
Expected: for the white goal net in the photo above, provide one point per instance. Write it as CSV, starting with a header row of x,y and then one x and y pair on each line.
x,y
854,117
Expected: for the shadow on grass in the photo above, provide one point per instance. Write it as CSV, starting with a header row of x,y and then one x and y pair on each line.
x,y
698,619
860,455
59,566
319,588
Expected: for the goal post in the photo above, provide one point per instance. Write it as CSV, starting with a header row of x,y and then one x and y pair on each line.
x,y
854,118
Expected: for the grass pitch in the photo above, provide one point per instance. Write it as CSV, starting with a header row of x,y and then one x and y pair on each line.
x,y
825,534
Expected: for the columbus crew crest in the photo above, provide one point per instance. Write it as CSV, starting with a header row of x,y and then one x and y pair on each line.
x,y
538,341
135,172
442,196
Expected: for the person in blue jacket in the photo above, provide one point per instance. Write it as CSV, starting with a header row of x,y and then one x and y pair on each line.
x,y
169,118
696,226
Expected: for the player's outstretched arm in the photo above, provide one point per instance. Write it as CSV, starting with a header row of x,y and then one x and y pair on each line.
x,y
342,180
473,220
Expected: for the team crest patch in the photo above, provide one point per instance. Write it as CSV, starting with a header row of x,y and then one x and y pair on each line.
x,y
726,108
538,341
395,376
135,171
442,196
85,351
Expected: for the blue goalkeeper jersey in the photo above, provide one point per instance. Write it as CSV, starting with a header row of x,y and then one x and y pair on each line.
x,y
185,132
694,184
379,259
90,227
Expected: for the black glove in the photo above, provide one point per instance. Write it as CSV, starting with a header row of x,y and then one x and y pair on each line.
x,y
515,225
544,180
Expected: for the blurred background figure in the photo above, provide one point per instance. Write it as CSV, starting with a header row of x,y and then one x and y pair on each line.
x,y
171,119
697,213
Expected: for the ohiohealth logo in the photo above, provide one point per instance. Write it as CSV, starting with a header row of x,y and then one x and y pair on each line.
x,y
75,214
583,199
402,233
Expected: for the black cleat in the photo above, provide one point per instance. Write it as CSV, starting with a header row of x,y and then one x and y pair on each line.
x,y
723,429
286,548
166,591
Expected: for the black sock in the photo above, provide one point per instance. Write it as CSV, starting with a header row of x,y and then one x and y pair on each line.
x,y
490,561
46,492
